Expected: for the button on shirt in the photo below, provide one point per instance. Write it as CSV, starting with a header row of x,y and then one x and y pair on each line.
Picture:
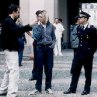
x,y
87,36
82,35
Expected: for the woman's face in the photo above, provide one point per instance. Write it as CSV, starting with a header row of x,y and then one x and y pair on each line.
x,y
56,21
41,18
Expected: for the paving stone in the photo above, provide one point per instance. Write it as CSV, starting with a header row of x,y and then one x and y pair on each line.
x,y
61,76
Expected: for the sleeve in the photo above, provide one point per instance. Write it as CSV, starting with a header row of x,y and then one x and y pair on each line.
x,y
73,34
15,29
36,32
62,28
53,34
53,37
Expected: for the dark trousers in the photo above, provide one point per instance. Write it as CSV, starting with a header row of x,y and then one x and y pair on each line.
x,y
34,71
44,58
21,49
74,55
84,59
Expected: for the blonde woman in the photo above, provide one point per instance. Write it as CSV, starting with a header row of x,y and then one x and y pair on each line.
x,y
45,45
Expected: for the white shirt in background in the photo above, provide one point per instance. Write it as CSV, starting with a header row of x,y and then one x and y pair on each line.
x,y
59,29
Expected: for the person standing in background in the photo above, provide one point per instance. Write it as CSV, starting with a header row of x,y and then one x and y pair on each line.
x,y
22,41
58,32
74,38
62,38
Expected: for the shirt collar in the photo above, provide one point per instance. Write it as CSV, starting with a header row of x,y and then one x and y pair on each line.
x,y
44,25
85,25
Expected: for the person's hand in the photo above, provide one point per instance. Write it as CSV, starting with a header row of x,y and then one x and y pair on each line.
x,y
31,57
34,22
52,46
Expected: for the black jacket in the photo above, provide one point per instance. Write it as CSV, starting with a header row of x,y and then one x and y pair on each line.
x,y
87,38
10,33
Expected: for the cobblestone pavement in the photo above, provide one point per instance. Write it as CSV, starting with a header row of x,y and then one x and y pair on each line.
x,y
61,77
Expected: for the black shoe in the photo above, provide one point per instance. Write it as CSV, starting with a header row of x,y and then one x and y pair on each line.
x,y
3,94
20,65
85,92
69,92
32,78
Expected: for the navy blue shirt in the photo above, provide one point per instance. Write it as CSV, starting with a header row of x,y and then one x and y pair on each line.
x,y
87,38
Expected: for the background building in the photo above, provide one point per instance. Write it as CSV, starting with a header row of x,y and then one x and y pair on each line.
x,y
91,8
65,9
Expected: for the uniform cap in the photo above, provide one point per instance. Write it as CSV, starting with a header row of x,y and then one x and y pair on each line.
x,y
84,14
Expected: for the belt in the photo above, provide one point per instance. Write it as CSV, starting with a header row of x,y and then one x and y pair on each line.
x,y
45,45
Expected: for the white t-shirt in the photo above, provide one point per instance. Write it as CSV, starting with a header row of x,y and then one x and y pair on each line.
x,y
59,29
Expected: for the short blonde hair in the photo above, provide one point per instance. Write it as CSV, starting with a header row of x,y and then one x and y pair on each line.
x,y
45,14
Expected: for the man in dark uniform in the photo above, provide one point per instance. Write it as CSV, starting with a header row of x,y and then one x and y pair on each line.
x,y
87,46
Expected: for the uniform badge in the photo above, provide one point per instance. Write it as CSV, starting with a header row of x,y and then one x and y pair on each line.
x,y
87,36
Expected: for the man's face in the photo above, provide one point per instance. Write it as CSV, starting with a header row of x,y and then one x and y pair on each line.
x,y
82,20
37,18
78,21
16,14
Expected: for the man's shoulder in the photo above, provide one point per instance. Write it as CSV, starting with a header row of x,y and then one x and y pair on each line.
x,y
35,26
92,26
8,21
75,26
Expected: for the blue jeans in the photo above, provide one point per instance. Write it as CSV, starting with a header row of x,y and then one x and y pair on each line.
x,y
21,49
34,71
44,58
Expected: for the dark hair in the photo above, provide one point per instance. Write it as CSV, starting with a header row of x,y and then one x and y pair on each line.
x,y
56,18
76,19
38,12
60,20
12,8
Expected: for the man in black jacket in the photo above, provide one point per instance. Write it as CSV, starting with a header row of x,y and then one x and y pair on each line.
x,y
9,43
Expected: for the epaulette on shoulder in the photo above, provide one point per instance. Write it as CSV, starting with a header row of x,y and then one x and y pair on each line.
x,y
92,26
